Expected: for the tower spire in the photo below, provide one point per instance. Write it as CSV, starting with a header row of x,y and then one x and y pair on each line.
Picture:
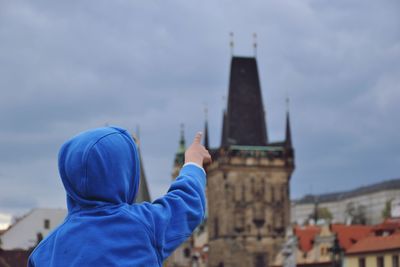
x,y
143,192
180,154
288,139
231,43
206,141
182,143
255,44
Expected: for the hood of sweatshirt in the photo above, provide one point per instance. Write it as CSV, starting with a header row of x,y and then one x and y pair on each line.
x,y
99,167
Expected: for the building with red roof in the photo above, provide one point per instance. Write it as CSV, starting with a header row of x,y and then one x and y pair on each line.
x,y
372,244
375,251
316,244
348,235
305,236
388,227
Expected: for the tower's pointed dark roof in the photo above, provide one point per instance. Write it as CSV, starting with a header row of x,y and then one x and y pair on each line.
x,y
244,123
288,139
180,154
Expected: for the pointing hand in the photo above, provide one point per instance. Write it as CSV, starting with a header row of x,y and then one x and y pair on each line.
x,y
196,152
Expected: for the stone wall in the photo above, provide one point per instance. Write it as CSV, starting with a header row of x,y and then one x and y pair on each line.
x,y
249,210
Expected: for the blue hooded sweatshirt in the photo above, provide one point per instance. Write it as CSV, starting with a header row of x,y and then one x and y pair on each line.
x,y
104,227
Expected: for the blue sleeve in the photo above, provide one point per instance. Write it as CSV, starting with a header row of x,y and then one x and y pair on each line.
x,y
173,217
30,262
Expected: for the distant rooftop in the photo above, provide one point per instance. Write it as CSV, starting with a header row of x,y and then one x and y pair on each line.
x,y
331,197
306,236
376,244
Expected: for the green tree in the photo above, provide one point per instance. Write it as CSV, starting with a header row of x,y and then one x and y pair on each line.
x,y
357,214
325,213
386,212
320,213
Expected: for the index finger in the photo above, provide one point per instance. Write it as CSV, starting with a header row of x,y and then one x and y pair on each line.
x,y
197,138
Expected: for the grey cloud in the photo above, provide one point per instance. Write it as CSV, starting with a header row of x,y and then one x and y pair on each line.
x,y
70,66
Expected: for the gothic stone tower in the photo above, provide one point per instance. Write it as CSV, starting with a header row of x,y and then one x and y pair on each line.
x,y
248,181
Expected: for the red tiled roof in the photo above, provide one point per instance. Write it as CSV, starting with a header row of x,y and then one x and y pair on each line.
x,y
375,243
348,235
391,224
306,236
310,264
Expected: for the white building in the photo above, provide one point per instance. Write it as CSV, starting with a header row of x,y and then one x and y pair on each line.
x,y
373,198
31,228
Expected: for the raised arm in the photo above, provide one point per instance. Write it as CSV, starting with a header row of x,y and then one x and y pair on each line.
x,y
173,217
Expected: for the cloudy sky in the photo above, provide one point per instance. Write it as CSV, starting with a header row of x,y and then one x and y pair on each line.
x,y
66,66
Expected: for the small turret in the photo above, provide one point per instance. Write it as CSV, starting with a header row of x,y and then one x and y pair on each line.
x,y
288,135
180,154
206,138
224,126
288,139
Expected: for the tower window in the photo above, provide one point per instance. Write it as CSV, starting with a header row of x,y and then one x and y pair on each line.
x,y
283,192
186,252
260,260
216,228
46,224
272,194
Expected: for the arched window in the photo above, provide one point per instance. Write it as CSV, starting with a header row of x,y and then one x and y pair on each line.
x,y
186,252
260,260
216,227
272,190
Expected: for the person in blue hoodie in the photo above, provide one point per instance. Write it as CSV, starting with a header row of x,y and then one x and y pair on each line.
x,y
104,227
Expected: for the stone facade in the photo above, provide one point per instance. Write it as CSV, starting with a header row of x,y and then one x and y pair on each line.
x,y
248,206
